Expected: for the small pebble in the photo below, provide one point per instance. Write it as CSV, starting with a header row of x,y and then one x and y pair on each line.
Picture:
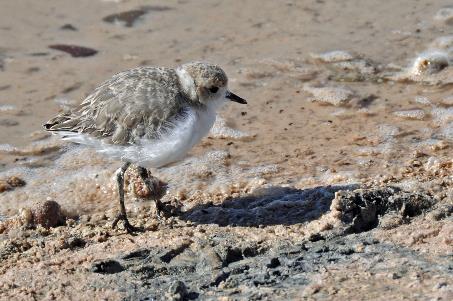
x,y
48,214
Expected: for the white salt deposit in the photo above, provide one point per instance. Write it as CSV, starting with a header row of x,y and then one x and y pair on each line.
x,y
333,56
336,96
442,116
7,108
429,62
411,114
361,66
220,129
422,100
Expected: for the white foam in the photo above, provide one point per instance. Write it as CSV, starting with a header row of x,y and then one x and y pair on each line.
x,y
411,114
336,96
422,100
333,56
221,130
7,108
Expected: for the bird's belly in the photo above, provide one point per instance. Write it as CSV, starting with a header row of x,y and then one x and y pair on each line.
x,y
175,144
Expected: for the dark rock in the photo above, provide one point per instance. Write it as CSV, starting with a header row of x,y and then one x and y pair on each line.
x,y
73,243
177,291
127,17
107,267
130,17
222,276
138,254
361,209
68,27
273,263
74,51
316,237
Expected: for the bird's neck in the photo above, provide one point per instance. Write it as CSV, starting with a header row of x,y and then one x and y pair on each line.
x,y
187,84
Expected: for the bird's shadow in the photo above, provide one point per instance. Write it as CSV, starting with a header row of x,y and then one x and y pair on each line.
x,y
270,206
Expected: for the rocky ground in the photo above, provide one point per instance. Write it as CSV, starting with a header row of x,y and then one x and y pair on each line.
x,y
376,242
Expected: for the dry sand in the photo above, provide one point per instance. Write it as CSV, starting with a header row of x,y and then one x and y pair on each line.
x,y
334,182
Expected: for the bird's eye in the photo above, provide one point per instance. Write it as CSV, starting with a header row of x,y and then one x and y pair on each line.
x,y
214,89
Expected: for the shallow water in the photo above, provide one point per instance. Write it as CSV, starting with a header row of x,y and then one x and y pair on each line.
x,y
338,92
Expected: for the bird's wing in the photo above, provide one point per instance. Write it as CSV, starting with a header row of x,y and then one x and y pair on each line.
x,y
131,105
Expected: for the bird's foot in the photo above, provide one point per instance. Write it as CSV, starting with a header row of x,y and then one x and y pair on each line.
x,y
129,228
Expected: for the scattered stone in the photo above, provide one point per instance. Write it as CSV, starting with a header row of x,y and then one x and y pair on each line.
x,y
15,181
68,27
129,18
10,183
177,291
361,209
48,214
107,267
73,243
74,51
26,216
151,188
273,263
429,62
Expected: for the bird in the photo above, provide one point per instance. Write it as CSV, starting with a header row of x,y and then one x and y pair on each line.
x,y
147,116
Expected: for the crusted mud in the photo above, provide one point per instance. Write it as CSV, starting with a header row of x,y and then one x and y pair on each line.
x,y
334,242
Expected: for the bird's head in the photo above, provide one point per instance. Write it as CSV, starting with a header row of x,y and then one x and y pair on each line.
x,y
206,84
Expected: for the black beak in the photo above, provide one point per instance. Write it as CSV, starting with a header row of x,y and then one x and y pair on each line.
x,y
233,97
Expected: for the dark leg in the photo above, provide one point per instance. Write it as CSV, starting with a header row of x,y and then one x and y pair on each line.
x,y
122,215
143,172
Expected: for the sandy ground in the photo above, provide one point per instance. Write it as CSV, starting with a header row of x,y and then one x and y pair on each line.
x,y
334,182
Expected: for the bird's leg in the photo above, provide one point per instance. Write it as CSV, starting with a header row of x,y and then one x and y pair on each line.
x,y
122,215
143,173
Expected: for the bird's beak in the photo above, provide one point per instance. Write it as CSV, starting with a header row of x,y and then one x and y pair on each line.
x,y
233,97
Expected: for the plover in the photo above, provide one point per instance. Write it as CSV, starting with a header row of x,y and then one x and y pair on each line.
x,y
147,116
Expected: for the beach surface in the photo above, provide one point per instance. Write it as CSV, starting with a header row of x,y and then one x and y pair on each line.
x,y
335,182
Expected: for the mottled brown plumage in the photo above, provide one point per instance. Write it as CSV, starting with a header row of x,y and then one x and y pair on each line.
x,y
131,105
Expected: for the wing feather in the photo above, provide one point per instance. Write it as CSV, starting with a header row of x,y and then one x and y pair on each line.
x,y
131,105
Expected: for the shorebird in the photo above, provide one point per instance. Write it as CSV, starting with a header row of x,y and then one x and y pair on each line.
x,y
147,116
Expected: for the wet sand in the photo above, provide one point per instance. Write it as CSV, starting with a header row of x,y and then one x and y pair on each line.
x,y
342,96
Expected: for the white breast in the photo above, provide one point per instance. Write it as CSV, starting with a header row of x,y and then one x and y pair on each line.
x,y
172,146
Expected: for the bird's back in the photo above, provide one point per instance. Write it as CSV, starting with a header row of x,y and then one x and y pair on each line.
x,y
132,105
